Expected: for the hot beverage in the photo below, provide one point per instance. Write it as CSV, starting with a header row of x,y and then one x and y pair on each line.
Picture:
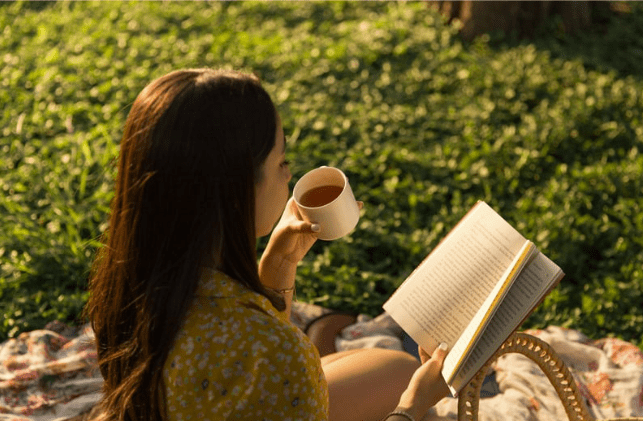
x,y
324,197
320,196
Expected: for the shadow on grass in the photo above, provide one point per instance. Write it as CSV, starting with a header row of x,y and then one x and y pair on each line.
x,y
614,41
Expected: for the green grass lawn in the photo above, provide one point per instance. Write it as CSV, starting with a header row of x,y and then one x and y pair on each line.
x,y
548,132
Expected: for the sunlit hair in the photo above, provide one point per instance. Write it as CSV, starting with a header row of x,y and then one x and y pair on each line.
x,y
192,150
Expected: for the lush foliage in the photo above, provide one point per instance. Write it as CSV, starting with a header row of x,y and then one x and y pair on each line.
x,y
423,124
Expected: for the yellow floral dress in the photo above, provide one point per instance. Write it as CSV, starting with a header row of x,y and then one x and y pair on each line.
x,y
238,358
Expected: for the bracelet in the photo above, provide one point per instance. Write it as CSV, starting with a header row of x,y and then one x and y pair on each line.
x,y
282,291
398,412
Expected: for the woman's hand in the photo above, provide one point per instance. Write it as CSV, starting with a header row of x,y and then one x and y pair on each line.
x,y
427,386
424,356
292,237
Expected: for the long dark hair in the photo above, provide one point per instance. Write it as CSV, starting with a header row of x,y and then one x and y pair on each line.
x,y
191,153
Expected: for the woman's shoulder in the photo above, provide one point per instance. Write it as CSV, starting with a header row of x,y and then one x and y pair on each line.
x,y
248,317
226,311
238,349
220,294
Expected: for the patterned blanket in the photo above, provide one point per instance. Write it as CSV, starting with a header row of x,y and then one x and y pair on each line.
x,y
52,374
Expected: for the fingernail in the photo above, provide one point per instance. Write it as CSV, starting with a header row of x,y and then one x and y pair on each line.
x,y
443,346
315,227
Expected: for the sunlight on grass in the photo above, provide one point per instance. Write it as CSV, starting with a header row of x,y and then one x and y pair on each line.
x,y
423,124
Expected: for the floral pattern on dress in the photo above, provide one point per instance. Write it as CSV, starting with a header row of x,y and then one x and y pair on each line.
x,y
237,357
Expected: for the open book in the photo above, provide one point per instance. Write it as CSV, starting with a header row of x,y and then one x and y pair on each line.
x,y
472,291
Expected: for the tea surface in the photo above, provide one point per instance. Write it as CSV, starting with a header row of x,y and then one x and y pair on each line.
x,y
320,196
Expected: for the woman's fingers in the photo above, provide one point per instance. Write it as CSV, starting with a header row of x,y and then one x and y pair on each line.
x,y
427,386
304,227
299,225
424,356
439,353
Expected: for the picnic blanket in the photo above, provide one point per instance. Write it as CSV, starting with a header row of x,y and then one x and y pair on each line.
x,y
52,374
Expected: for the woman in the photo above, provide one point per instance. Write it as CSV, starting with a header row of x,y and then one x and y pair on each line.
x,y
187,324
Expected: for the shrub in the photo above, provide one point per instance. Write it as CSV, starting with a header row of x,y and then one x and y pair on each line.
x,y
423,124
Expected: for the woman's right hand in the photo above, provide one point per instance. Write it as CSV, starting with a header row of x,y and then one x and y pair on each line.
x,y
427,386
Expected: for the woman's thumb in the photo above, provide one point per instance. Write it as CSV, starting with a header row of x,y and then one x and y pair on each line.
x,y
440,352
305,227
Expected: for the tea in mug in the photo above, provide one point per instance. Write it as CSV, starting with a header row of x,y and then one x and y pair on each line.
x,y
320,196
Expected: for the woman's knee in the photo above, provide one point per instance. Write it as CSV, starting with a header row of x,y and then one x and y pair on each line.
x,y
327,359
379,357
368,383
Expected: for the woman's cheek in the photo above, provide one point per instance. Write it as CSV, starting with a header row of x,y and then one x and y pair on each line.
x,y
287,174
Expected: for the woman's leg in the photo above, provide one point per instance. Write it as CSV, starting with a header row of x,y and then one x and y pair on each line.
x,y
366,384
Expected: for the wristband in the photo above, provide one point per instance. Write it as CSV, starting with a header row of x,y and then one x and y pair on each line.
x,y
282,291
399,412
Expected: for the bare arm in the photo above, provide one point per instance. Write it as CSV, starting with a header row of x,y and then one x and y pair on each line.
x,y
426,388
279,274
289,242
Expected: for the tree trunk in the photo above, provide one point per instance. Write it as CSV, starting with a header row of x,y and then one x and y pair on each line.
x,y
521,17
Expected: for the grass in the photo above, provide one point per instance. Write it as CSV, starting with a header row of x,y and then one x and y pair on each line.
x,y
548,132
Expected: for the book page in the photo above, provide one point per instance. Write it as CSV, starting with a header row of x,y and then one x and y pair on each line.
x,y
439,299
528,289
467,341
